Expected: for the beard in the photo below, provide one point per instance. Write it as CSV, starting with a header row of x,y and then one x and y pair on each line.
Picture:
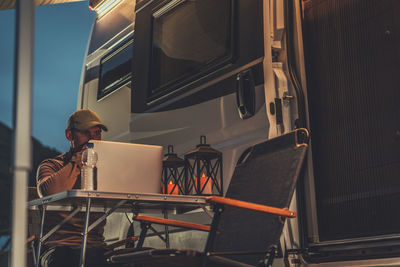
x,y
76,147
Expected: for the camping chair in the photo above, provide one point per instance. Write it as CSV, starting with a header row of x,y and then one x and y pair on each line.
x,y
243,232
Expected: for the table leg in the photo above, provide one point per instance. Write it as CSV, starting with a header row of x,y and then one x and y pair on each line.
x,y
58,226
85,232
39,245
106,214
166,229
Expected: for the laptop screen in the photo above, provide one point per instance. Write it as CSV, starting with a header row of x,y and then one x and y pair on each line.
x,y
127,167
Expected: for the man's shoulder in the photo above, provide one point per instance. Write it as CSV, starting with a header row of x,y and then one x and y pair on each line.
x,y
59,160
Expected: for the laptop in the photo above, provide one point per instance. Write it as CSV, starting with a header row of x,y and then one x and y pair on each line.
x,y
128,167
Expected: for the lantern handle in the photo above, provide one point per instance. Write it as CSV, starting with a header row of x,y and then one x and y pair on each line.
x,y
170,149
203,137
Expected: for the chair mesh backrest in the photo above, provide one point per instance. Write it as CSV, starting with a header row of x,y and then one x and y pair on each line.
x,y
268,177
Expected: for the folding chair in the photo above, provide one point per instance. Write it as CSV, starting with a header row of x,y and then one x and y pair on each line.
x,y
243,232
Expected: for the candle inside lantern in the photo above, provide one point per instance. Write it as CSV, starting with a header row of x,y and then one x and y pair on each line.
x,y
171,190
205,185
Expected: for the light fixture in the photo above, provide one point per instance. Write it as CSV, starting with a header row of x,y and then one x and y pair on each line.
x,y
106,6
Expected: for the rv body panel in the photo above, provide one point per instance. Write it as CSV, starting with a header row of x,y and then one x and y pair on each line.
x,y
217,119
109,33
177,111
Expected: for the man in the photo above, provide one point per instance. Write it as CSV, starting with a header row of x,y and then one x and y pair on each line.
x,y
63,173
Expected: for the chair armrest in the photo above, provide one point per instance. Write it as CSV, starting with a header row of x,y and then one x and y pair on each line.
x,y
32,238
252,206
122,242
156,220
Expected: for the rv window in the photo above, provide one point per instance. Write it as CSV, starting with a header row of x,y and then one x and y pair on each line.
x,y
115,69
188,38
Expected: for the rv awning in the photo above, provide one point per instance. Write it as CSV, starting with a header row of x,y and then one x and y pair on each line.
x,y
10,4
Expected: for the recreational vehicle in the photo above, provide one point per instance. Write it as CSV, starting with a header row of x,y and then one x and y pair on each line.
x,y
240,72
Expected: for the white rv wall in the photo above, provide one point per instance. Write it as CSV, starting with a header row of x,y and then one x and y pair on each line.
x,y
114,109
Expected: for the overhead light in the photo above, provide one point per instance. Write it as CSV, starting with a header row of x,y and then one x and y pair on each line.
x,y
106,6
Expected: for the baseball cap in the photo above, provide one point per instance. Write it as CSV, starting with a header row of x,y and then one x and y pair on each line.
x,y
84,119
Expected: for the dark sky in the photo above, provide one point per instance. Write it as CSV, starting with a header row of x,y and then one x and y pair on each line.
x,y
61,37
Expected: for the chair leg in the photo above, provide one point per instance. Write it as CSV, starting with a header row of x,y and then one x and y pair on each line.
x,y
145,227
33,252
218,209
269,257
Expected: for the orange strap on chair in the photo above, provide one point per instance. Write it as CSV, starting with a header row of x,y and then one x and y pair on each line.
x,y
32,238
162,221
252,206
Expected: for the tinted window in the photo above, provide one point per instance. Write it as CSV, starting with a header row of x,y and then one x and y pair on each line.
x,y
115,69
188,38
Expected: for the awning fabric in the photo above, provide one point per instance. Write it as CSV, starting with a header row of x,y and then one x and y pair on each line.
x,y
10,4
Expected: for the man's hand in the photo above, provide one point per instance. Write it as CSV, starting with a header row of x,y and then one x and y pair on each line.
x,y
77,158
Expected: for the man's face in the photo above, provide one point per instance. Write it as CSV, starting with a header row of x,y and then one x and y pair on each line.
x,y
79,138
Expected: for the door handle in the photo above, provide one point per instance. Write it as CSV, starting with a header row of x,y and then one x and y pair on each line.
x,y
245,94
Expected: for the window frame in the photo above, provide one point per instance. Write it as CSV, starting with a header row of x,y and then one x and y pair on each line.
x,y
121,81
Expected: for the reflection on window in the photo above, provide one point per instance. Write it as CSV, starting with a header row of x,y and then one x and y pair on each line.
x,y
115,69
188,38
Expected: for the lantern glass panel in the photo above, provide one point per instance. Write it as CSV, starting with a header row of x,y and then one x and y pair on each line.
x,y
173,174
203,171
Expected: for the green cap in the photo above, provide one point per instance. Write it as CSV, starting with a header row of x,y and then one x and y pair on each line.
x,y
84,119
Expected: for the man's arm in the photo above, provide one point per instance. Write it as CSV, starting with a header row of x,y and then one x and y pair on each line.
x,y
52,177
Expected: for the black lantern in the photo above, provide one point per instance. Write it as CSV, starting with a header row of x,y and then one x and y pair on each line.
x,y
173,173
203,170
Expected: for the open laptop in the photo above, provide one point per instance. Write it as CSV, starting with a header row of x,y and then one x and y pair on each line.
x,y
127,167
